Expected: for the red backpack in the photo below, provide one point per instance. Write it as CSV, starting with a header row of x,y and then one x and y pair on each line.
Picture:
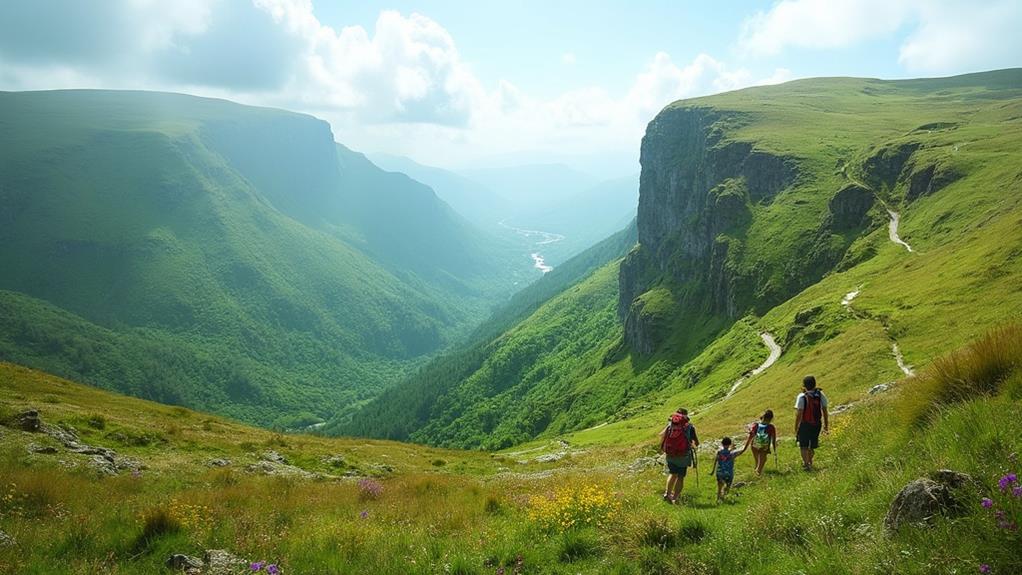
x,y
676,438
813,411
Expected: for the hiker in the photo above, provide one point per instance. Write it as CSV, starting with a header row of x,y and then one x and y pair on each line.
x,y
677,442
724,467
810,416
762,436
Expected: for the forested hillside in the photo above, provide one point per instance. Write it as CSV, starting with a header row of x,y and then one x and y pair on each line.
x,y
229,258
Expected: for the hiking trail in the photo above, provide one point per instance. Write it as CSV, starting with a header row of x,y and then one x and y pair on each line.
x,y
775,353
846,301
892,230
904,367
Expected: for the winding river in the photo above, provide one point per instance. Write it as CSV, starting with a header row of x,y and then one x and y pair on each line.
x,y
541,239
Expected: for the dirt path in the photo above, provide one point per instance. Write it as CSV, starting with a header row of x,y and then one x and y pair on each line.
x,y
892,230
775,353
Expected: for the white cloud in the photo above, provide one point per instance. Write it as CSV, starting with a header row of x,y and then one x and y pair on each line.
x,y
963,36
943,36
568,58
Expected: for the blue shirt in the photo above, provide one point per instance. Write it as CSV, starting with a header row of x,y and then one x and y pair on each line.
x,y
725,462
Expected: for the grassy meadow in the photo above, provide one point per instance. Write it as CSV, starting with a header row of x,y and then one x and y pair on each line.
x,y
415,509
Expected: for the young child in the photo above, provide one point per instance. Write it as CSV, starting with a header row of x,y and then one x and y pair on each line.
x,y
762,436
724,467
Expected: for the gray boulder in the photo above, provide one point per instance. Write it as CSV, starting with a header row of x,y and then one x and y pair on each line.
x,y
6,540
274,457
181,562
219,462
926,498
29,421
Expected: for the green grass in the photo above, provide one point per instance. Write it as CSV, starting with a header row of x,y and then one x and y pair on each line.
x,y
481,512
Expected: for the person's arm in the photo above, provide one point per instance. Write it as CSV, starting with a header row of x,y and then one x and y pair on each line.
x,y
748,439
773,436
800,406
663,435
826,415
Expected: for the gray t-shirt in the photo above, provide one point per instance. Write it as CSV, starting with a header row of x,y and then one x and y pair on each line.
x,y
800,401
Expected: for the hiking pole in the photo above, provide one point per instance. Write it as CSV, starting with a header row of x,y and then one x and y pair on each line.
x,y
695,465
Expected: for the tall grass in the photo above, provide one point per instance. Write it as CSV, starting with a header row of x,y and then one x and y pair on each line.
x,y
981,368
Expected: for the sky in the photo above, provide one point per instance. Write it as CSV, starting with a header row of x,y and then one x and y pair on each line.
x,y
461,83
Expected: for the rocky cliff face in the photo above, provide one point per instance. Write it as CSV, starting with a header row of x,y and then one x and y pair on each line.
x,y
695,193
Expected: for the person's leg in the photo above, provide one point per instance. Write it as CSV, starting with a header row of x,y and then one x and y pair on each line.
x,y
671,479
727,486
720,489
679,485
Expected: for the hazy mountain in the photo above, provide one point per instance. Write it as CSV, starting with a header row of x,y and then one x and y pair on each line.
x,y
233,258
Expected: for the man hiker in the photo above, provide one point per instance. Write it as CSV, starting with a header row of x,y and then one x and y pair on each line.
x,y
678,441
810,416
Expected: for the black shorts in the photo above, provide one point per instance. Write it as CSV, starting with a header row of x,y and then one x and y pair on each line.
x,y
809,435
678,465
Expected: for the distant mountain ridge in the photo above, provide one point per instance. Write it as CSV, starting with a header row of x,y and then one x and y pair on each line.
x,y
224,257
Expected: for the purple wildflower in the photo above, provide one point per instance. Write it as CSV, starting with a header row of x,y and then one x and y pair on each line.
x,y
1007,481
272,569
364,514
999,514
256,566
984,568
986,502
1017,491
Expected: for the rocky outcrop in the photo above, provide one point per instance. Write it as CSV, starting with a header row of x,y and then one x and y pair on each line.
x,y
930,179
926,498
849,207
885,165
695,193
28,421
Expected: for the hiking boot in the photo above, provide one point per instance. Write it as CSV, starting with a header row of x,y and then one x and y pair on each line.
x,y
667,498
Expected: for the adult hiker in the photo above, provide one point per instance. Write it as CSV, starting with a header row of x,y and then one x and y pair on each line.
x,y
762,436
677,441
810,417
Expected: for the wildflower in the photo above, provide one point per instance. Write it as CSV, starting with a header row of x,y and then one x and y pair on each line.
x,y
369,488
136,474
272,569
984,568
256,566
987,503
364,514
1017,492
1007,481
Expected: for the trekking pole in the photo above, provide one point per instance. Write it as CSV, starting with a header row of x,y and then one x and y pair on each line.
x,y
695,465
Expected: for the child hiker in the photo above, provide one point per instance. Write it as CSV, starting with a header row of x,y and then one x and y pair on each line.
x,y
724,467
762,436
676,442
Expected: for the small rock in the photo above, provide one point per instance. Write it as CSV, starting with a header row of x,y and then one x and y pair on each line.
x,y
6,540
550,457
223,563
66,435
103,465
218,463
274,457
41,449
841,408
335,461
108,454
879,388
129,464
29,420
183,562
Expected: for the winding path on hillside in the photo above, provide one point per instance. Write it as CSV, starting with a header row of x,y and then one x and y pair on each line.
x,y
775,353
892,230
847,300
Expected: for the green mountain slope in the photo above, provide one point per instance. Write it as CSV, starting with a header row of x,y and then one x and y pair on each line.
x,y
254,267
759,211
506,368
